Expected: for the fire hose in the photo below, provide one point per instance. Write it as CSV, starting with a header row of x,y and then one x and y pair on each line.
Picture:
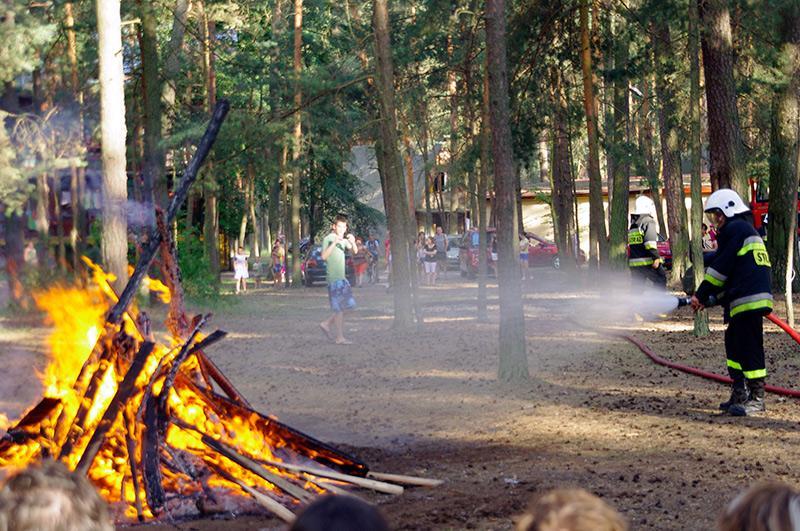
x,y
655,358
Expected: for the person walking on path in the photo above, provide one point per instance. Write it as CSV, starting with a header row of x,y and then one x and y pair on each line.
x,y
240,273
643,258
441,250
738,277
430,260
340,294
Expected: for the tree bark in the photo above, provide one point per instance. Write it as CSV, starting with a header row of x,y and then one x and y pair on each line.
x,y
724,134
154,190
274,147
669,131
646,129
695,146
512,352
562,195
784,141
394,186
113,133
211,220
620,162
172,60
297,144
598,245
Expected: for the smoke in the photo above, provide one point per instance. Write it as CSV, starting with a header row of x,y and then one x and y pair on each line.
x,y
609,299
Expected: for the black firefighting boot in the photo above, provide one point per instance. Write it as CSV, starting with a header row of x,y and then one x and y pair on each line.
x,y
755,401
738,390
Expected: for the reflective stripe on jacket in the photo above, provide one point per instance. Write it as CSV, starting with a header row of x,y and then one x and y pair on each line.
x,y
740,269
642,241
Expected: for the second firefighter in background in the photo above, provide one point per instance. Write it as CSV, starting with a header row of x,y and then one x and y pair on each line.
x,y
643,259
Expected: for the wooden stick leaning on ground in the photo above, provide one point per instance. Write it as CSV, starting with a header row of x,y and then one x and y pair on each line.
x,y
262,499
380,486
248,464
406,480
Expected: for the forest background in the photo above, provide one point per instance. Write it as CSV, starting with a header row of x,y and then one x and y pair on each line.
x,y
104,102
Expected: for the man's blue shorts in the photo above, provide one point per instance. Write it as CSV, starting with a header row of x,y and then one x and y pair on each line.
x,y
340,295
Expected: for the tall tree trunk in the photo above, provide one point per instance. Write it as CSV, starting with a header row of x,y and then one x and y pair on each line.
x,y
211,223
724,135
483,185
251,208
113,133
562,184
695,145
154,190
512,352
394,190
784,142
274,147
650,161
297,143
620,162
172,60
598,245
76,175
669,131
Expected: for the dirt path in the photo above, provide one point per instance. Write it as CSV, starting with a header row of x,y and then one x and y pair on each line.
x,y
596,413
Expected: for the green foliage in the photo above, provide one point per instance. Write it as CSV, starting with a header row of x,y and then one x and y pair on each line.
x,y
198,280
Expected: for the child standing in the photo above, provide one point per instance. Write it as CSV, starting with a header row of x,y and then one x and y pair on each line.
x,y
430,260
240,273
278,268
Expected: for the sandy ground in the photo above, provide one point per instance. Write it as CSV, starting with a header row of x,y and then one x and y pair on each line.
x,y
596,413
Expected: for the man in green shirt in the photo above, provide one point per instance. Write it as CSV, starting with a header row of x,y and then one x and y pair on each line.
x,y
340,294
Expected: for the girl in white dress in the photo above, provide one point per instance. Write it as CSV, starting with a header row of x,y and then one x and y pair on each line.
x,y
240,273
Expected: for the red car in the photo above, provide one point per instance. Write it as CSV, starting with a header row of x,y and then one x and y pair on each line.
x,y
468,254
544,253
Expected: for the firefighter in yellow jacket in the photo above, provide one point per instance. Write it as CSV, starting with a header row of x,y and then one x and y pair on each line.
x,y
643,258
738,278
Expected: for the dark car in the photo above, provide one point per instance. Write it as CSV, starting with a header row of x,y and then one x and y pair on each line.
x,y
314,267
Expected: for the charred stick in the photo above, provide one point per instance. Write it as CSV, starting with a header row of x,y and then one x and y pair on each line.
x,y
262,499
380,486
179,196
151,469
134,465
248,464
223,382
327,485
169,380
120,398
77,426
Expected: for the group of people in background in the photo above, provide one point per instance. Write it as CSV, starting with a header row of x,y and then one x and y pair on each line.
x,y
49,497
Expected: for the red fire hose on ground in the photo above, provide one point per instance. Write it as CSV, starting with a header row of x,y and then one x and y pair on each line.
x,y
710,375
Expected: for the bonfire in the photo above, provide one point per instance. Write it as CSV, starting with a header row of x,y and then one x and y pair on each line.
x,y
153,422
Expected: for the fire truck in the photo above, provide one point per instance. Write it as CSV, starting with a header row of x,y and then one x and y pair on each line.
x,y
759,206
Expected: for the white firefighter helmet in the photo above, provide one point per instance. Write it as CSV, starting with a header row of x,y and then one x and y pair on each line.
x,y
727,201
644,205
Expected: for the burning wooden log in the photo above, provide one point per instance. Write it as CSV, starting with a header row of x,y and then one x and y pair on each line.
x,y
118,402
405,480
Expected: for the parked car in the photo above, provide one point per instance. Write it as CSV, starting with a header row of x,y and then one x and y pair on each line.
x,y
544,253
314,268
